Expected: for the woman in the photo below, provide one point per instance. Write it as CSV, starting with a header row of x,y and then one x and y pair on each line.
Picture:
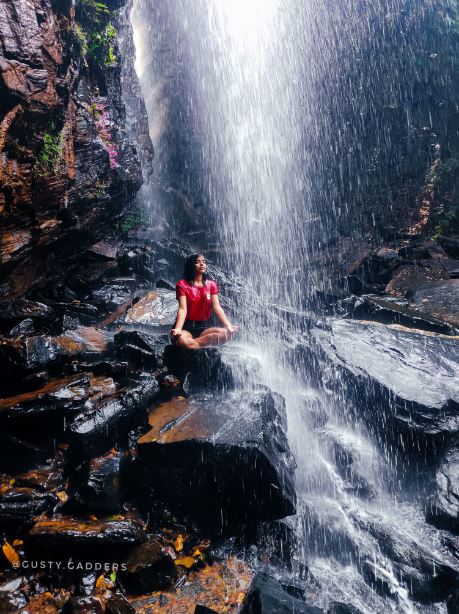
x,y
198,297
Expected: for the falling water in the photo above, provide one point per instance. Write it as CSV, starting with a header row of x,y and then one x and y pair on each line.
x,y
267,118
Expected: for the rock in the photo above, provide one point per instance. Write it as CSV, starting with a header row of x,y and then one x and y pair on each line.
x,y
48,477
59,396
84,540
12,602
158,308
19,504
443,506
139,350
412,374
118,604
112,295
337,607
201,609
95,430
409,278
452,603
21,309
84,605
149,568
267,596
220,587
394,310
26,327
450,245
203,368
220,470
441,300
103,250
138,260
98,484
21,453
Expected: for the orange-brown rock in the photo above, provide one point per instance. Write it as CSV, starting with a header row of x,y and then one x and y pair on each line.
x,y
221,587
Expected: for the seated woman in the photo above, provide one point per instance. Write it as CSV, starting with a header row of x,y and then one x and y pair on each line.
x,y
198,297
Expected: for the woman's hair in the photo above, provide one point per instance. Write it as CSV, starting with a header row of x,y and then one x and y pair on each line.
x,y
189,270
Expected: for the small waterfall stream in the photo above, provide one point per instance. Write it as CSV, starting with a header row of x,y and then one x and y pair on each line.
x,y
259,123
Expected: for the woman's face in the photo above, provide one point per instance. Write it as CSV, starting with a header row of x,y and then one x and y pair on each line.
x,y
200,265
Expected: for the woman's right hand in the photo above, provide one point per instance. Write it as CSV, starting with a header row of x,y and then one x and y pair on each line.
x,y
176,332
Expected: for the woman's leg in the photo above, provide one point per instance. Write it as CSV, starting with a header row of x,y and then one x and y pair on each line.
x,y
185,340
213,336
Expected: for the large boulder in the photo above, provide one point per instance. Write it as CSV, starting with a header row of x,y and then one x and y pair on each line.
x,y
222,461
267,596
97,429
443,506
412,374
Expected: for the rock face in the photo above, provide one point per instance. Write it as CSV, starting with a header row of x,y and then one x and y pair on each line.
x,y
267,596
443,507
416,374
218,470
66,167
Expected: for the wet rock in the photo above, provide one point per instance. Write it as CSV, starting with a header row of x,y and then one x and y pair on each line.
x,y
440,300
393,310
21,309
48,407
84,605
149,568
202,609
86,583
267,596
84,540
98,484
220,587
413,375
103,250
139,350
337,607
112,295
158,308
443,506
452,603
21,454
49,477
410,277
26,327
19,504
427,577
98,428
138,260
450,245
201,368
12,602
118,604
216,468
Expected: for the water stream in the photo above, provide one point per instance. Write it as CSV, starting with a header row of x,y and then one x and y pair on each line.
x,y
260,124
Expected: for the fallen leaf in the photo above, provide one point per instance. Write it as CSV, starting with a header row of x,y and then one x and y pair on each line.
x,y
63,496
11,555
100,581
18,542
186,561
179,543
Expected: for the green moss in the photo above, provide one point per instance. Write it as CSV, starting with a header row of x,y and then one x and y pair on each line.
x,y
50,154
82,39
132,219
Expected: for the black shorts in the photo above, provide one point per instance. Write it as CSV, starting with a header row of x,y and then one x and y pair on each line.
x,y
195,327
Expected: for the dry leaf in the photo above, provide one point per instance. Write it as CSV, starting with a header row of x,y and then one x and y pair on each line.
x,y
100,582
63,496
11,555
186,561
18,542
179,543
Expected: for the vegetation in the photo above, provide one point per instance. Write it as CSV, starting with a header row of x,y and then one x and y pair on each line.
x,y
95,32
50,154
132,219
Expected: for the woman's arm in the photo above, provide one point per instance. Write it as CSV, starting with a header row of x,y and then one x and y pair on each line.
x,y
181,316
218,310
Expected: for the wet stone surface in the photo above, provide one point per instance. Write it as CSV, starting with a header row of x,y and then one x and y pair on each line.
x,y
219,471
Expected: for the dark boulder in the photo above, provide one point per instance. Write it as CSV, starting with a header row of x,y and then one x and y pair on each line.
x,y
97,429
24,328
221,461
90,604
440,299
393,310
414,376
21,309
148,568
267,596
443,506
139,350
97,484
92,540
199,368
19,504
118,604
158,309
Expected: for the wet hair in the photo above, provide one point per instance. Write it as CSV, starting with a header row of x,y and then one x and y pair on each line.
x,y
189,270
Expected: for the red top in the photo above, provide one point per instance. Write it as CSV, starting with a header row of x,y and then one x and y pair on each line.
x,y
198,299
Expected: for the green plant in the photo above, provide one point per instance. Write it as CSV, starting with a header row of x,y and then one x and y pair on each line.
x,y
82,39
50,154
133,218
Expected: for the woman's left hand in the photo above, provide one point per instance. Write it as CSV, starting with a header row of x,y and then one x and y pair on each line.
x,y
232,329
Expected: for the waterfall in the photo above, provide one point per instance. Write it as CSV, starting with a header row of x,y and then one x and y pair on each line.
x,y
268,117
